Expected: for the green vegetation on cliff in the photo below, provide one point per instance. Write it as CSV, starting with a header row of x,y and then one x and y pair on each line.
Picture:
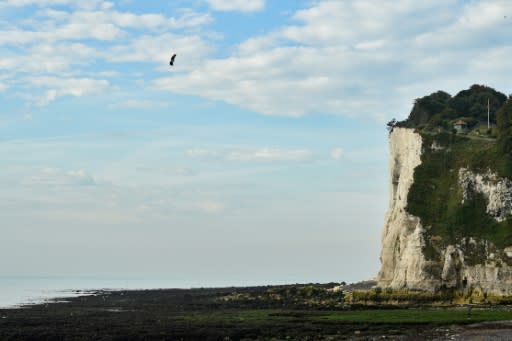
x,y
436,196
441,110
504,147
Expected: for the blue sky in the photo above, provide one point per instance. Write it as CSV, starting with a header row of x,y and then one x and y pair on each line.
x,y
260,157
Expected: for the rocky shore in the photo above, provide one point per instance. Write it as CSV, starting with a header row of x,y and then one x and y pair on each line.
x,y
291,312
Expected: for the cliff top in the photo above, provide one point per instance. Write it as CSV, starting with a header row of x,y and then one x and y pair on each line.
x,y
440,111
464,117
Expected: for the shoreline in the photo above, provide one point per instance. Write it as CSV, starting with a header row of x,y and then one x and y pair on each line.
x,y
240,313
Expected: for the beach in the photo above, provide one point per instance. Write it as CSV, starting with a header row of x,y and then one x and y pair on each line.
x,y
247,313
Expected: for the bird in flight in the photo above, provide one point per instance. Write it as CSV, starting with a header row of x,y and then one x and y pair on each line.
x,y
172,59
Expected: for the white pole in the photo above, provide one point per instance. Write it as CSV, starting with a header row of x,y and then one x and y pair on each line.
x,y
488,126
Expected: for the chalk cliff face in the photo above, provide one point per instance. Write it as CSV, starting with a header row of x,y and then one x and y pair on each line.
x,y
498,192
402,238
403,263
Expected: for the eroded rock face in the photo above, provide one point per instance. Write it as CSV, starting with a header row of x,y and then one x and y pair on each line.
x,y
402,238
497,191
470,263
452,265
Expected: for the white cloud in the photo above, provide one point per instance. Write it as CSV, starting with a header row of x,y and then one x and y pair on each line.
x,y
321,71
291,81
255,45
337,153
7,63
190,50
55,176
140,104
331,22
337,57
51,58
371,45
69,42
269,154
104,24
479,23
199,152
58,87
140,21
237,5
21,3
254,155
81,27
349,57
86,4
212,207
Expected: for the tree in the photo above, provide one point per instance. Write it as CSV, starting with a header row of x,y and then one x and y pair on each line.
x,y
391,124
426,107
473,102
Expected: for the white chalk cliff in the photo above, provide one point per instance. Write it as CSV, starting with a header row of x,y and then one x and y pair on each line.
x,y
403,264
497,191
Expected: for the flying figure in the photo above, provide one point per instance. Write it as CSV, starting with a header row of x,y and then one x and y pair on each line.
x,y
172,59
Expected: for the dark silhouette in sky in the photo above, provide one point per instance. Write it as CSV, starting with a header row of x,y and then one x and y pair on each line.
x,y
172,59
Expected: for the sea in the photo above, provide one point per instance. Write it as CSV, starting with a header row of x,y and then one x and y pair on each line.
x,y
23,291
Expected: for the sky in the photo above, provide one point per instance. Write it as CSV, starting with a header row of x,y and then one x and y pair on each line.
x,y
260,157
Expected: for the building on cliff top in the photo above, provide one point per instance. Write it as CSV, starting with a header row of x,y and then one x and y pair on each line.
x,y
461,126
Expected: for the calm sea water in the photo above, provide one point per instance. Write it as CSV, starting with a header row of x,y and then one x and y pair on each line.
x,y
16,291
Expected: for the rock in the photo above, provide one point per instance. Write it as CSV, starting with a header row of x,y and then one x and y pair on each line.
x,y
497,191
402,238
470,263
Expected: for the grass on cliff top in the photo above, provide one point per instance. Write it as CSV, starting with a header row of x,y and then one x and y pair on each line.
x,y
436,196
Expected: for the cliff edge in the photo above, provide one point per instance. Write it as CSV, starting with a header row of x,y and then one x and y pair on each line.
x,y
467,261
449,221
402,238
